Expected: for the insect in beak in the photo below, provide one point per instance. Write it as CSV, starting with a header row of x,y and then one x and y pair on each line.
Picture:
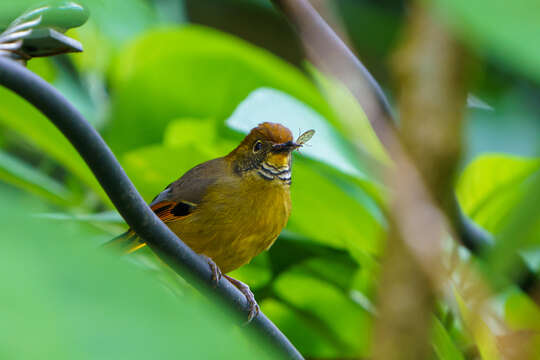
x,y
285,147
292,145
305,137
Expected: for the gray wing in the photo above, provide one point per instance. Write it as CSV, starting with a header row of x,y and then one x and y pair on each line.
x,y
192,186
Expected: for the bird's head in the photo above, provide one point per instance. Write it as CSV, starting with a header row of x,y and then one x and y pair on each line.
x,y
265,151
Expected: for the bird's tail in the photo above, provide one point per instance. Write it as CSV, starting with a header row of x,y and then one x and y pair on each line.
x,y
127,242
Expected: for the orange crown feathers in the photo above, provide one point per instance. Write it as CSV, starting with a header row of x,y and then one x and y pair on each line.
x,y
276,133
271,131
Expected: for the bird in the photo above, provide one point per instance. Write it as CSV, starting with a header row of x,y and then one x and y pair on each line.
x,y
232,208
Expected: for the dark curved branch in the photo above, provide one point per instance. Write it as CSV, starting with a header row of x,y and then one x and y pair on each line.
x,y
325,48
125,197
329,51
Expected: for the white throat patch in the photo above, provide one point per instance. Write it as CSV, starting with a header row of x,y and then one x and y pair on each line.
x,y
269,172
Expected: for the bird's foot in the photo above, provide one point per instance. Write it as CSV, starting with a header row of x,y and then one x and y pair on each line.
x,y
216,272
244,289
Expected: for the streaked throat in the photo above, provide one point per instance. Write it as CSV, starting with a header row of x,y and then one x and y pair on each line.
x,y
270,172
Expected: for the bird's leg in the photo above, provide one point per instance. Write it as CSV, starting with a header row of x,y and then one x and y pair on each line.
x,y
216,272
244,289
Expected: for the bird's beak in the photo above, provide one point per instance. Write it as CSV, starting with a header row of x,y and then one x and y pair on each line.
x,y
285,147
280,156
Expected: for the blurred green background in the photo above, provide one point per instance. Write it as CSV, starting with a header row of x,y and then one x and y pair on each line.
x,y
170,84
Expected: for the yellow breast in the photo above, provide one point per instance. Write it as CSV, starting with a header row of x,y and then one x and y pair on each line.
x,y
237,220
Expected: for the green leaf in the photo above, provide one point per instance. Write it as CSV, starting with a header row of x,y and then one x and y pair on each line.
x,y
257,273
71,301
309,340
18,173
334,210
521,313
190,131
501,194
104,217
58,14
509,30
204,134
492,185
191,72
327,310
119,21
44,68
523,317
442,343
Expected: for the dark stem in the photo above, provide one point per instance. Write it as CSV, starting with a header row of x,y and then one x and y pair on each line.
x,y
324,47
125,197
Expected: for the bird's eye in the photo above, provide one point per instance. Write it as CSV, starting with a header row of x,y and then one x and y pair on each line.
x,y
257,146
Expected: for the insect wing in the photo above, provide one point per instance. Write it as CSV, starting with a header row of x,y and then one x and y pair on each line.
x,y
305,137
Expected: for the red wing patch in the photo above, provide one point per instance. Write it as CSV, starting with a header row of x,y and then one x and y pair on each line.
x,y
169,211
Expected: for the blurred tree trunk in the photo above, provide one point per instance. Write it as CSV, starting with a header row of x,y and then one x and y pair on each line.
x,y
430,74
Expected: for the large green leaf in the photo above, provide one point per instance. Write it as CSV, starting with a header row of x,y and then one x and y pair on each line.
x,y
62,298
492,185
191,72
507,29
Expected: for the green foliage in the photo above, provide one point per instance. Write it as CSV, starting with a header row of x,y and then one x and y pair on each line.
x,y
443,344
168,112
64,299
22,118
351,113
510,30
347,187
480,331
328,145
492,185
501,193
167,98
521,312
209,72
18,172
